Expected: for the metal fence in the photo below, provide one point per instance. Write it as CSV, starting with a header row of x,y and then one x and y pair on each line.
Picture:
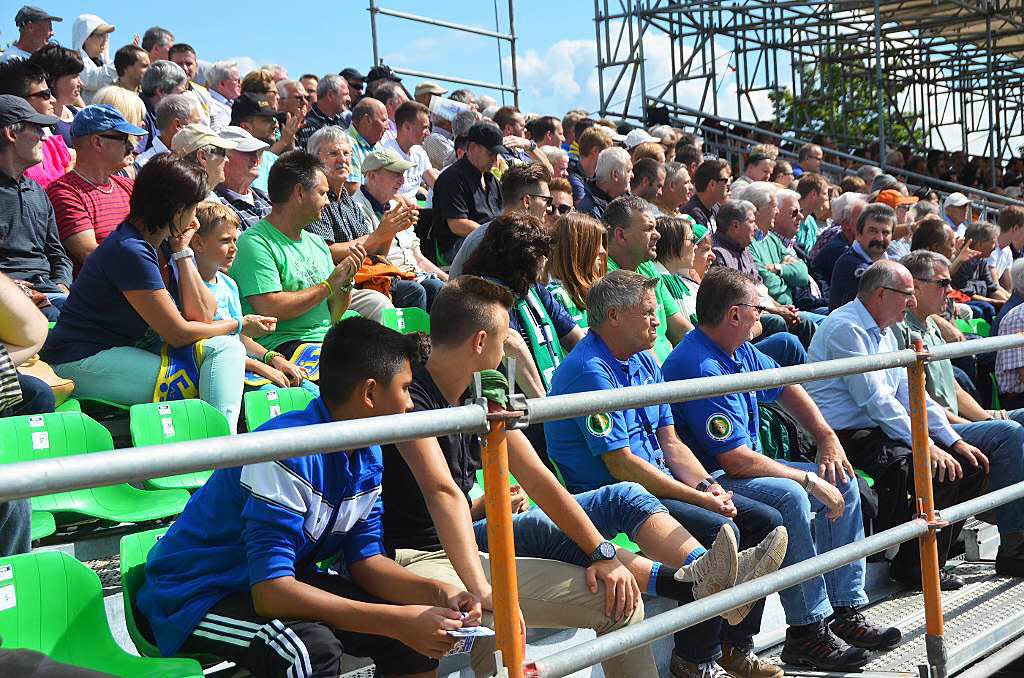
x,y
34,478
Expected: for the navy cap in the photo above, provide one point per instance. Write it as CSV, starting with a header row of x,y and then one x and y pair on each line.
x,y
352,74
29,13
97,118
250,104
487,135
15,109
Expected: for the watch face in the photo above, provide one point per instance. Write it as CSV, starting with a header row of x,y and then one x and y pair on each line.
x,y
606,550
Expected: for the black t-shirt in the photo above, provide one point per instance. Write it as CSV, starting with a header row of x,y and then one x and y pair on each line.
x,y
407,522
458,195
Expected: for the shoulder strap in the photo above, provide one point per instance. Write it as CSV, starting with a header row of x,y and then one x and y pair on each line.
x,y
540,331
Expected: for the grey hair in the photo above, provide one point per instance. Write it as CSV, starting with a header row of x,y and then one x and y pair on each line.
x,y
883,273
463,121
842,206
1017,275
619,290
162,75
672,170
611,159
619,213
174,107
784,193
924,208
328,84
760,193
733,210
662,131
282,87
331,134
868,173
553,153
15,127
876,213
922,263
219,71
981,231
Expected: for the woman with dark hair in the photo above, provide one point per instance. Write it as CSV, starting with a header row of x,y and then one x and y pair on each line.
x,y
513,253
140,289
63,68
579,258
677,249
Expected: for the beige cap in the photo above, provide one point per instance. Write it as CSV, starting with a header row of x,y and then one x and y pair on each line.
x,y
385,159
191,138
429,88
103,28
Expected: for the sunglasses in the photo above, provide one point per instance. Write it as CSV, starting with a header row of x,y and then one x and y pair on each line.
x,y
41,94
941,282
563,209
761,309
899,291
124,139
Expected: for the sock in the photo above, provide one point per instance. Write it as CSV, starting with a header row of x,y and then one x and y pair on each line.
x,y
695,554
666,586
652,589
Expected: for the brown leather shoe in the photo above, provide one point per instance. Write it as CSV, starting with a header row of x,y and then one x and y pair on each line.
x,y
740,663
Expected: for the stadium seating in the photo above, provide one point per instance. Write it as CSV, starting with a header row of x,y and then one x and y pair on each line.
x,y
406,320
173,422
43,524
62,434
261,406
53,604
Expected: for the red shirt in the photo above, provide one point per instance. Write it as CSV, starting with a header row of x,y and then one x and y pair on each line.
x,y
80,206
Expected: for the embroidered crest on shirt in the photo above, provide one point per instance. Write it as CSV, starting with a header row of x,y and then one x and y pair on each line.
x,y
599,425
719,427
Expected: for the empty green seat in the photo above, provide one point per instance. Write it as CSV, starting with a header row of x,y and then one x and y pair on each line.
x,y
262,406
54,605
406,320
43,524
978,326
70,405
134,551
174,422
62,434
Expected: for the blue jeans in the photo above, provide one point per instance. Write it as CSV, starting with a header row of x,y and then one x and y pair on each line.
x,y
1003,444
809,601
783,348
415,293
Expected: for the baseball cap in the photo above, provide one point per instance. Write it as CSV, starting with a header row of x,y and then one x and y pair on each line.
x,y
955,200
639,136
883,182
894,198
385,159
15,109
192,137
250,104
382,72
429,88
97,118
244,142
487,135
352,74
30,13
699,231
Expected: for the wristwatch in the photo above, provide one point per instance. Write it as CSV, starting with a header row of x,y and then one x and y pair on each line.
x,y
183,254
705,485
604,551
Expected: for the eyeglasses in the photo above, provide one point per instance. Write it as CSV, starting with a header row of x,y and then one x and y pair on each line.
x,y
301,97
760,309
945,283
41,94
547,201
124,139
216,150
899,291
563,209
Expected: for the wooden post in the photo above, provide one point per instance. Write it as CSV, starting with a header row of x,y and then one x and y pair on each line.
x,y
498,505
926,506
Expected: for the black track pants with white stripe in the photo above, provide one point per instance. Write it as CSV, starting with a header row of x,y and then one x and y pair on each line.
x,y
276,648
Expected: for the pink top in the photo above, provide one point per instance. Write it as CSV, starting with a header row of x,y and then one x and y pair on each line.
x,y
56,159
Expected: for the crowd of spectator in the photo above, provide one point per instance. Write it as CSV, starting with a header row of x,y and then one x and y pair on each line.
x,y
152,202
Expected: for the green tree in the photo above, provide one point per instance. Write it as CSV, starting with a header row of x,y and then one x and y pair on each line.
x,y
839,98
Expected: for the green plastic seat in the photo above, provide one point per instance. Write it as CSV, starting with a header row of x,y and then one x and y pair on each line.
x,y
406,320
978,326
101,403
70,405
134,550
43,436
349,314
174,422
54,605
262,406
43,524
620,540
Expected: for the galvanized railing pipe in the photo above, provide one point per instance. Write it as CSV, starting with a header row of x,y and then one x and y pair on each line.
x,y
622,640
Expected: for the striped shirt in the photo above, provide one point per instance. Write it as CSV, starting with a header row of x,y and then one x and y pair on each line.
x,y
1009,360
341,220
10,389
249,208
360,149
315,120
80,206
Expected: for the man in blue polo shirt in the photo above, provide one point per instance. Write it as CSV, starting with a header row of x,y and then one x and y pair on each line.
x,y
723,431
640,445
236,574
874,234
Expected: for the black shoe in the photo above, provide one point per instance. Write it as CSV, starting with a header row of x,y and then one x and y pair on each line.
x,y
822,651
849,624
1010,557
947,581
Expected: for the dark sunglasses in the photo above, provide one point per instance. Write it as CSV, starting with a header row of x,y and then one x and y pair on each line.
x,y
41,94
124,139
899,291
564,209
761,309
945,283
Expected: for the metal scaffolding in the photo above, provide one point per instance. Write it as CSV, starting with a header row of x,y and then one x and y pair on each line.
x,y
953,72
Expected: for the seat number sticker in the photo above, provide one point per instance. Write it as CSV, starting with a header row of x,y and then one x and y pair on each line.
x,y
7,597
40,440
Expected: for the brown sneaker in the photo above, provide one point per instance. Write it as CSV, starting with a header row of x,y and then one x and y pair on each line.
x,y
680,668
740,663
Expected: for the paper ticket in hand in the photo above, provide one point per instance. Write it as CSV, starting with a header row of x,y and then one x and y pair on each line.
x,y
470,632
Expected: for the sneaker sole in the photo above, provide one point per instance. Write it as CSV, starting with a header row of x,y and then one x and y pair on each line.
x,y
807,663
769,562
722,565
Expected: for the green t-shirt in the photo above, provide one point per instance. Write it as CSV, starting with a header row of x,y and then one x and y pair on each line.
x,y
667,305
270,261
939,380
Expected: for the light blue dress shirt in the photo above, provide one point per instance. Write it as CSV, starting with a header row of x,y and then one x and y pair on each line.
x,y
878,399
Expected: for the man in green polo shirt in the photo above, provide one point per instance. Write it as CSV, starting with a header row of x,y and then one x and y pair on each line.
x,y
632,236
287,272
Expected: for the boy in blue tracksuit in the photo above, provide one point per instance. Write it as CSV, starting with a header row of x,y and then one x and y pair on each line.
x,y
236,574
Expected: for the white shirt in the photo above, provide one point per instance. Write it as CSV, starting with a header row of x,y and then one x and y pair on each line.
x,y
220,111
1001,259
413,175
156,149
402,254
14,52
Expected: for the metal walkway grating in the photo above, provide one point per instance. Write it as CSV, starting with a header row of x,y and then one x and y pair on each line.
x,y
985,614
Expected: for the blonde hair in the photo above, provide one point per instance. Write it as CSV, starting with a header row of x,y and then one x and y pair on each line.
x,y
649,149
210,213
578,238
126,102
259,81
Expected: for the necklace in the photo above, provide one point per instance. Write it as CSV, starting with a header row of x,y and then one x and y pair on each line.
x,y
108,191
